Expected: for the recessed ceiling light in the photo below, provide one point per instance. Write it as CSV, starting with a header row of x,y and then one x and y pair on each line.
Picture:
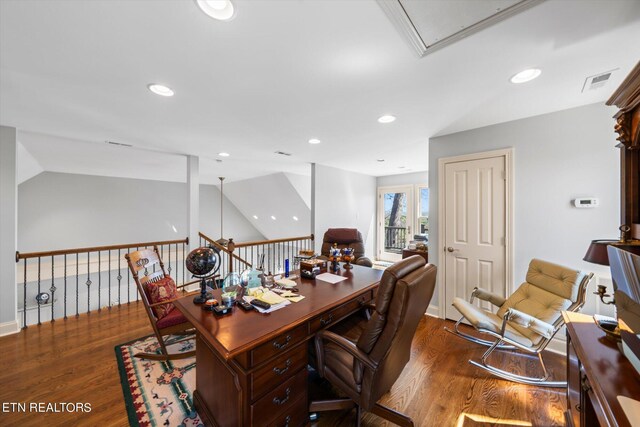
x,y
273,217
314,141
401,167
159,89
295,218
380,160
386,119
221,10
526,75
255,217
223,154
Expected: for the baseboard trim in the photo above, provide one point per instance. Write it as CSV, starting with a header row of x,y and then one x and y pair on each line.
x,y
433,311
8,328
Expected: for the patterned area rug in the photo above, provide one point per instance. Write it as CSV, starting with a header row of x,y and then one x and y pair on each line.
x,y
158,393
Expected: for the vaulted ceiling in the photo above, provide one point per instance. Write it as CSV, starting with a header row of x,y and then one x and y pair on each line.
x,y
73,74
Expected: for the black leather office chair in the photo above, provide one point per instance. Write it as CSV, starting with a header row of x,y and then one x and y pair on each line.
x,y
364,357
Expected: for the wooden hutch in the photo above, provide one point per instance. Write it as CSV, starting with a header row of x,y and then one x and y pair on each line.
x,y
627,99
597,372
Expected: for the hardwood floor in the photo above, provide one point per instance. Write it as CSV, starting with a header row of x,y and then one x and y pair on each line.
x,y
74,361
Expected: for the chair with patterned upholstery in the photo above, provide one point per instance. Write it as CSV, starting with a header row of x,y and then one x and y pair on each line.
x,y
158,291
528,319
363,356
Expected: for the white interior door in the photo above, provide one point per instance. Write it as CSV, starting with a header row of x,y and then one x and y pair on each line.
x,y
395,220
475,228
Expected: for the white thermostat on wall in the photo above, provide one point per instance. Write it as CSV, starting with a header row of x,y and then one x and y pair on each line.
x,y
586,202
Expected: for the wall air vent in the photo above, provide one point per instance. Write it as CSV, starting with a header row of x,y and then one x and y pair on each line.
x,y
119,144
596,81
282,153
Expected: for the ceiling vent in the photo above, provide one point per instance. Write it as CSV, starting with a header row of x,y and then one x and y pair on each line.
x,y
431,25
282,153
119,144
597,81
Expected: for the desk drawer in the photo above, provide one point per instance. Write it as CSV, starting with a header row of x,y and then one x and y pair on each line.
x,y
278,345
295,416
338,313
280,401
278,370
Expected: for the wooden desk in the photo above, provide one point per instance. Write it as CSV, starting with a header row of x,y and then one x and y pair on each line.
x,y
251,367
597,372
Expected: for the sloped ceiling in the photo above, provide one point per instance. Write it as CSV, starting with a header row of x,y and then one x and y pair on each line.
x,y
271,196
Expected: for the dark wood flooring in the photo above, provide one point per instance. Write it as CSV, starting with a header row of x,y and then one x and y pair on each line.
x,y
74,361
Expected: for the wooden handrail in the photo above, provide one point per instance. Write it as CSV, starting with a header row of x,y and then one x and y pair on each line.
x,y
227,250
267,242
28,255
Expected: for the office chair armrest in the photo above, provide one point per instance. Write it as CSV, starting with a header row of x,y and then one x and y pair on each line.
x,y
536,325
344,344
364,261
488,296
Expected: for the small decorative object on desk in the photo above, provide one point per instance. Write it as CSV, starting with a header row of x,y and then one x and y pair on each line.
x,y
421,247
203,263
347,257
251,278
334,257
230,287
311,268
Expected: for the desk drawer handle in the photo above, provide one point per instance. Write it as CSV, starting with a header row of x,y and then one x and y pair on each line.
x,y
280,371
280,346
278,401
287,420
325,322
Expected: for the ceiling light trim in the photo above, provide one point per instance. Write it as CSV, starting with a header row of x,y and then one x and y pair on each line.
x,y
227,13
526,75
161,90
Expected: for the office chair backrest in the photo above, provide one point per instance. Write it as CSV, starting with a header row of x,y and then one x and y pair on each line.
x,y
345,238
403,296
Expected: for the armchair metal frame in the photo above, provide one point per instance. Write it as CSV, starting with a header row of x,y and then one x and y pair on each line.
x,y
502,342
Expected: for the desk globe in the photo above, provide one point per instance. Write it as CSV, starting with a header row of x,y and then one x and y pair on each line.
x,y
203,263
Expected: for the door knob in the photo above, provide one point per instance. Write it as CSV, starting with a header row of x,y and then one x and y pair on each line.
x,y
450,249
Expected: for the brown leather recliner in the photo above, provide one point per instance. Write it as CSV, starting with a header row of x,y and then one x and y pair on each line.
x,y
364,357
345,238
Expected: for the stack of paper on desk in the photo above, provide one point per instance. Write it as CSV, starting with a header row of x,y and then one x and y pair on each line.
x,y
330,278
276,301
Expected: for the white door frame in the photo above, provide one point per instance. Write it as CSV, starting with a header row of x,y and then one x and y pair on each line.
x,y
507,153
380,215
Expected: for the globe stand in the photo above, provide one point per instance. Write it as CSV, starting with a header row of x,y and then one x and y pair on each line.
x,y
200,299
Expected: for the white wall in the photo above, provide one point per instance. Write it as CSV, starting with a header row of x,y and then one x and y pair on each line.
x,y
302,184
8,211
58,211
403,179
344,199
557,157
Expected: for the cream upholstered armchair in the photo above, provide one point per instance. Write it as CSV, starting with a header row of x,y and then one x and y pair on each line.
x,y
528,319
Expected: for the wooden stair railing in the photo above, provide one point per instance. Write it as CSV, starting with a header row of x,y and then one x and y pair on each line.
x,y
102,270
80,280
250,254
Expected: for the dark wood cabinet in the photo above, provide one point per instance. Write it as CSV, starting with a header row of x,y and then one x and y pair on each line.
x,y
627,99
597,373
